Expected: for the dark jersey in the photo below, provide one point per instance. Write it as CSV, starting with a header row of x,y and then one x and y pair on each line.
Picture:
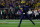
x,y
25,9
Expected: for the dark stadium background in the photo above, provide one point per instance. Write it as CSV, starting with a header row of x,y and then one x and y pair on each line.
x,y
10,9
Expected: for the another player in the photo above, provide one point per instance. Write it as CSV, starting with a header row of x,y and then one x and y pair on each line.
x,y
25,10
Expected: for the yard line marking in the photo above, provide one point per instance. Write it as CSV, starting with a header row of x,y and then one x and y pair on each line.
x,y
18,22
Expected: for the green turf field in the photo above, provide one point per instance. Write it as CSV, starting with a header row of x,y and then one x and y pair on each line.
x,y
14,23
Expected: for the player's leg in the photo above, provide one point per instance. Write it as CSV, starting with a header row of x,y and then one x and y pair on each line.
x,y
20,20
30,18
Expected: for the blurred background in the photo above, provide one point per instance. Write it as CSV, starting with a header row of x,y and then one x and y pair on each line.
x,y
10,9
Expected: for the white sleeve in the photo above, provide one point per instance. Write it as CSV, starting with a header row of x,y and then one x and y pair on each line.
x,y
1,12
29,12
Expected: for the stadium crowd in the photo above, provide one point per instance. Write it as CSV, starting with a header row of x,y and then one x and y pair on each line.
x,y
10,9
